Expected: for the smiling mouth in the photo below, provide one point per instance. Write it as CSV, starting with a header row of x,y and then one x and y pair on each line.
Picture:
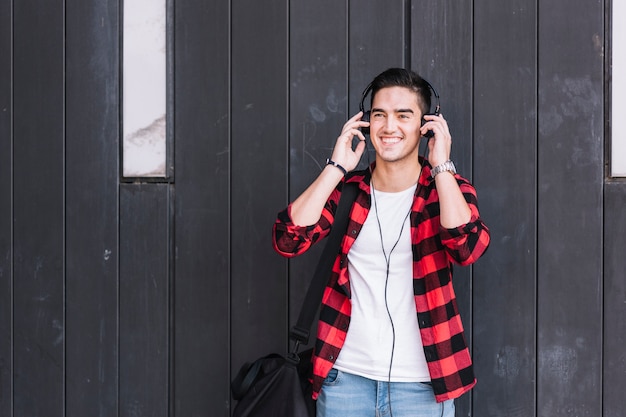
x,y
390,141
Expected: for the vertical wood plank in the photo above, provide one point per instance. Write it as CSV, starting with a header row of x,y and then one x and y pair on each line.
x,y
317,111
6,205
144,304
202,208
376,41
259,170
38,208
441,52
92,148
614,369
505,159
570,173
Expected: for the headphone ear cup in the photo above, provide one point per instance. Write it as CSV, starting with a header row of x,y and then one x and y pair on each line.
x,y
429,134
365,118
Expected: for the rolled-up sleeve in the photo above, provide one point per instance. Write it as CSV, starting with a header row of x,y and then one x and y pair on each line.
x,y
291,240
466,243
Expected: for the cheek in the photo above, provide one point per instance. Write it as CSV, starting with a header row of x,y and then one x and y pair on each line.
x,y
375,123
415,129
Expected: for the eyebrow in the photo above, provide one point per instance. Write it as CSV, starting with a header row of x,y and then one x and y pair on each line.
x,y
395,111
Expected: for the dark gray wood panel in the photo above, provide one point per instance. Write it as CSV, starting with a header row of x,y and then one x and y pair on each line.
x,y
256,114
259,149
570,178
441,52
202,208
38,215
91,194
505,102
614,361
6,204
376,41
144,302
317,111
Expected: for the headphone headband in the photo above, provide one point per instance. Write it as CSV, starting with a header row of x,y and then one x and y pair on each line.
x,y
370,86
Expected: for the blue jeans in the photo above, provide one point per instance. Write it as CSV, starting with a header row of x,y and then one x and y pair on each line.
x,y
347,395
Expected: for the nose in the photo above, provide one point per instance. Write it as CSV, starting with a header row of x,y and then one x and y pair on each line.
x,y
390,125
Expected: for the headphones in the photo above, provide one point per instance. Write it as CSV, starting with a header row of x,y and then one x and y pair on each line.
x,y
366,114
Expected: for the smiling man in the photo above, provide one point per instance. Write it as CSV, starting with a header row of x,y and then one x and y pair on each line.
x,y
390,339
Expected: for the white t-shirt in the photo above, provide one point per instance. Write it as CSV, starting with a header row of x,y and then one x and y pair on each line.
x,y
369,343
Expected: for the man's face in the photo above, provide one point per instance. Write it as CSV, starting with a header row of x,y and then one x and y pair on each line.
x,y
395,121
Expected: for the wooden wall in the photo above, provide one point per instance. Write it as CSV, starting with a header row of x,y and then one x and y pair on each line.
x,y
144,298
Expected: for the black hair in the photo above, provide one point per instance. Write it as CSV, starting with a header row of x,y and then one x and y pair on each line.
x,y
401,77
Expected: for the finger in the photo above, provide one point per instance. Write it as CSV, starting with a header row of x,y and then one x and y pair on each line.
x,y
426,127
438,128
349,127
355,132
360,148
355,117
361,136
432,116
438,120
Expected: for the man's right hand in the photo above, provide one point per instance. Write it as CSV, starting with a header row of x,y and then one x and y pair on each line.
x,y
343,153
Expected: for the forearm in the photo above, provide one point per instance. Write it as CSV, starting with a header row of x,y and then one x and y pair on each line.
x,y
307,208
453,209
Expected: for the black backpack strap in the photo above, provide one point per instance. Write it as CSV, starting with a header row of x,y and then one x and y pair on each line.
x,y
300,331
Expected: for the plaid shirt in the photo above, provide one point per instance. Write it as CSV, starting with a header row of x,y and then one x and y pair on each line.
x,y
434,251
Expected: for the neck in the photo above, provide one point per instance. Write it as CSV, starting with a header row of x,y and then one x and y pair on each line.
x,y
392,178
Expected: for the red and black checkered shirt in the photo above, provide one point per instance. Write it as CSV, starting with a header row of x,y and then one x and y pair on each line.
x,y
435,249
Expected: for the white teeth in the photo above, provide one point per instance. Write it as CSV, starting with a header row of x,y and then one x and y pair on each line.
x,y
390,141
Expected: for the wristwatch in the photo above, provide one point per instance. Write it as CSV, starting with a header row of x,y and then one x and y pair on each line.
x,y
446,166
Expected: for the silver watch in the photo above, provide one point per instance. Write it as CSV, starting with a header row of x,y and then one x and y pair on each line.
x,y
446,166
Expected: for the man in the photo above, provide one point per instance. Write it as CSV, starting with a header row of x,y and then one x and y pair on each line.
x,y
390,339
